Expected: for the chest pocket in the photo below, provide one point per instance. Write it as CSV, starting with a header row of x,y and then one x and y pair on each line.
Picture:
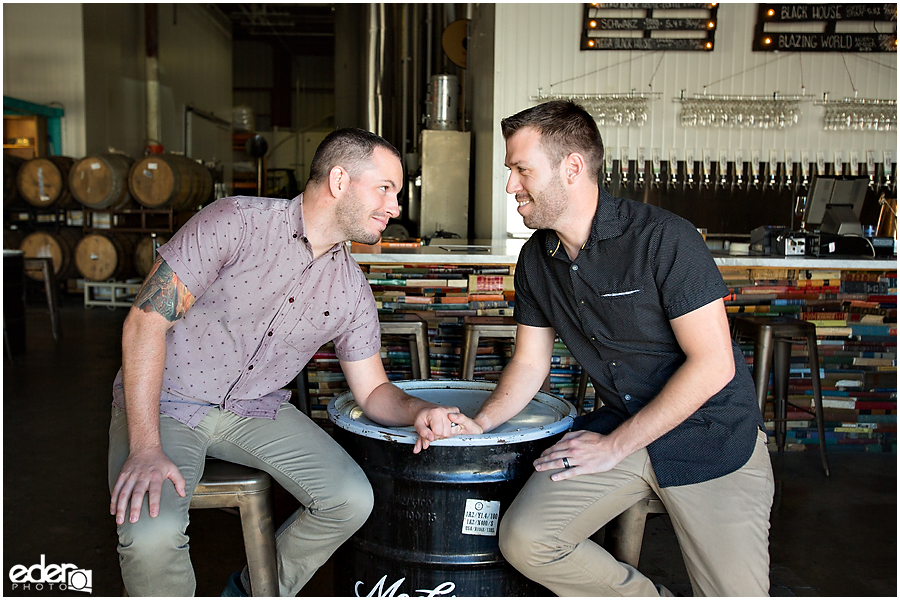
x,y
318,325
623,311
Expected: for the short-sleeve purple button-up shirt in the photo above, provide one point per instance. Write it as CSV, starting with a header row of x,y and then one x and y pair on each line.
x,y
263,308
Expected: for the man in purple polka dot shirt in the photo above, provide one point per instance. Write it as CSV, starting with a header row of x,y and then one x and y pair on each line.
x,y
237,303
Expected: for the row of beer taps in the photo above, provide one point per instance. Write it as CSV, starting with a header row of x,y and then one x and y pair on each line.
x,y
738,174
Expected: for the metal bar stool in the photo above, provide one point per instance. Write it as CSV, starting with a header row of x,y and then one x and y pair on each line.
x,y
416,330
772,340
625,533
582,393
226,484
473,329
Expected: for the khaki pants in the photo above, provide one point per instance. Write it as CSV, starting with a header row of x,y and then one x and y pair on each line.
x,y
722,527
335,495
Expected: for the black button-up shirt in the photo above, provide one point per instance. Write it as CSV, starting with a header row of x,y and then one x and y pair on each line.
x,y
640,267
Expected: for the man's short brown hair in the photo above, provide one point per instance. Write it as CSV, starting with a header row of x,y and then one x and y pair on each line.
x,y
350,148
565,127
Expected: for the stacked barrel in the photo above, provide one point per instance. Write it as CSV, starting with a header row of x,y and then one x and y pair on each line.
x,y
104,182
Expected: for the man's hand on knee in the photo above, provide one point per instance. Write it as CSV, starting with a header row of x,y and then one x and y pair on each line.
x,y
143,473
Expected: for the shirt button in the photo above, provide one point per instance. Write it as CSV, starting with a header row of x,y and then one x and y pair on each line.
x,y
290,299
304,239
612,363
295,236
327,313
574,267
250,368
628,396
270,334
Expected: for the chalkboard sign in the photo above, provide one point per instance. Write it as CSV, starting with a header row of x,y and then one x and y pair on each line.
x,y
829,39
605,29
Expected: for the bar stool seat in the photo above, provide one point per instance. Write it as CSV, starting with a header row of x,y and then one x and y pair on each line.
x,y
772,340
229,485
474,328
416,330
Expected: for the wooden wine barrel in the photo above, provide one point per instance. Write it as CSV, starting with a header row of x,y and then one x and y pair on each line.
x,y
100,257
44,182
57,245
169,181
144,256
11,165
101,181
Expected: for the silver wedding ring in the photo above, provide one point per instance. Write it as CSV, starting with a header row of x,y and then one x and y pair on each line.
x,y
566,462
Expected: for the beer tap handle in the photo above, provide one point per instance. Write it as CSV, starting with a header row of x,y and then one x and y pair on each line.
x,y
722,166
706,166
773,169
673,168
656,164
788,169
689,169
641,167
870,167
754,167
888,183
623,166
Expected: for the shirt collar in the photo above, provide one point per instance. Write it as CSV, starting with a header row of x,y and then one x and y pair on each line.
x,y
297,226
607,224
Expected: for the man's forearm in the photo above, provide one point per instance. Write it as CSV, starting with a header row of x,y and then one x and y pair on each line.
x,y
518,384
143,365
685,392
389,405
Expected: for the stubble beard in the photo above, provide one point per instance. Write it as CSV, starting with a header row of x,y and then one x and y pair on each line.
x,y
547,205
352,218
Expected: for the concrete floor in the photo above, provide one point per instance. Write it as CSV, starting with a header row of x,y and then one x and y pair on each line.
x,y
832,536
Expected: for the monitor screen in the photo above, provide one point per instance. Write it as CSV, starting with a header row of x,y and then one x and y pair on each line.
x,y
833,190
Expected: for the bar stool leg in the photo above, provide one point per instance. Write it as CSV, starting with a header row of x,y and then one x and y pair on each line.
x,y
259,541
52,303
423,353
813,351
625,534
782,365
468,353
303,402
763,351
415,363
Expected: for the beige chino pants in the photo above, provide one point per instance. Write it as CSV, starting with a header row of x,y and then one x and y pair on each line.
x,y
334,492
722,527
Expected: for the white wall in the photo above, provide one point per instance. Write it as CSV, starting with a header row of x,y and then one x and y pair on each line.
x,y
537,46
43,62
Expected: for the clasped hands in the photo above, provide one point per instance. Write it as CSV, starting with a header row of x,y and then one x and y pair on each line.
x,y
577,453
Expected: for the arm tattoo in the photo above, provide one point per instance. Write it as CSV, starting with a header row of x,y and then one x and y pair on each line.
x,y
164,293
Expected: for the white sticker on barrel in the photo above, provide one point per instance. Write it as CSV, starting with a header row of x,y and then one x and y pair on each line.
x,y
481,517
151,166
95,166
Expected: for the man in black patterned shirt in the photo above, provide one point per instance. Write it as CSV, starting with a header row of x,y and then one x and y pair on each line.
x,y
636,296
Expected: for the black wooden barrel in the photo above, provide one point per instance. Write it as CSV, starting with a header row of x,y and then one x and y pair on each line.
x,y
433,529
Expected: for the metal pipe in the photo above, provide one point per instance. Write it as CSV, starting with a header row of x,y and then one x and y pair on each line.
x,y
404,95
151,29
375,69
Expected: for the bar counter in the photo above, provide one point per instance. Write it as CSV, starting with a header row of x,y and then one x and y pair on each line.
x,y
506,252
